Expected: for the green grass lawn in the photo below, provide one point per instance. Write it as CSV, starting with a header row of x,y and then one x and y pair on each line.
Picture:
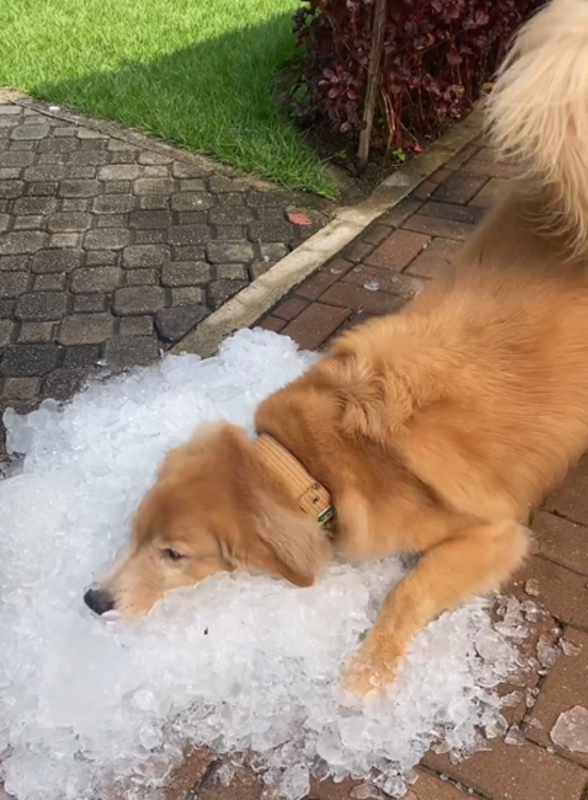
x,y
196,72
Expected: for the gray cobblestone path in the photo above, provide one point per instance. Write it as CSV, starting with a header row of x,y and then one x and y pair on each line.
x,y
112,249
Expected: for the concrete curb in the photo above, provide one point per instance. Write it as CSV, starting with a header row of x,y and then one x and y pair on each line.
x,y
347,224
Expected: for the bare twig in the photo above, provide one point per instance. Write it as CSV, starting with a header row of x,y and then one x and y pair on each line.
x,y
373,80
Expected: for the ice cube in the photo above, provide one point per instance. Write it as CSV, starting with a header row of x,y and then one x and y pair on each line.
x,y
571,730
512,699
531,611
547,653
514,736
225,773
569,648
532,587
295,782
392,785
365,791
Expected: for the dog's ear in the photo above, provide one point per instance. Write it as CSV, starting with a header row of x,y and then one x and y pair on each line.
x,y
276,539
297,542
281,542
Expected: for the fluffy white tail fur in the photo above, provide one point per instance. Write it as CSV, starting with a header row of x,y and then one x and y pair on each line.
x,y
538,114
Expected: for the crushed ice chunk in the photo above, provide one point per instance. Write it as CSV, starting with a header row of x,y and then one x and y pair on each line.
x,y
513,620
295,782
225,773
372,286
19,432
532,587
547,653
531,611
533,722
496,727
569,648
512,699
514,736
411,777
530,698
365,791
571,730
90,709
392,785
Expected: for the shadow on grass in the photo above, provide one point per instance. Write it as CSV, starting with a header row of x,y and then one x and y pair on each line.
x,y
214,96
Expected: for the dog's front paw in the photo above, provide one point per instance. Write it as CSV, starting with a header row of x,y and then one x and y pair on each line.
x,y
371,668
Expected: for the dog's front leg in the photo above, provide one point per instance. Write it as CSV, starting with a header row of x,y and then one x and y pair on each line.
x,y
472,560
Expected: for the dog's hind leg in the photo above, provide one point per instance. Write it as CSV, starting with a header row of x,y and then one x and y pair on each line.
x,y
471,561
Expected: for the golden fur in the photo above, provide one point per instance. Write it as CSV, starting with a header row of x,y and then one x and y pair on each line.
x,y
436,430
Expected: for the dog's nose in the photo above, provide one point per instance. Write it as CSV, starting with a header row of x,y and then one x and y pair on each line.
x,y
99,600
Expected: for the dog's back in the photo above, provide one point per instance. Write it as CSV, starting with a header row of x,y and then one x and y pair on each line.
x,y
482,381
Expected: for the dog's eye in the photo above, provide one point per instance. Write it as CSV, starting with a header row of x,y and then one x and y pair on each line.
x,y
173,555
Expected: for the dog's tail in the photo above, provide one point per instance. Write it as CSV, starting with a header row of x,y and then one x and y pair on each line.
x,y
538,114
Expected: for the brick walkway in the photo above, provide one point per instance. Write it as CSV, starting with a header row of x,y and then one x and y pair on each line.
x,y
112,247
377,274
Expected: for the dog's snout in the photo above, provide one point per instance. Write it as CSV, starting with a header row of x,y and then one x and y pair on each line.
x,y
99,600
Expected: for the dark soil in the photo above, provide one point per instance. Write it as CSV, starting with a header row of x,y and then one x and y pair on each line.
x,y
340,151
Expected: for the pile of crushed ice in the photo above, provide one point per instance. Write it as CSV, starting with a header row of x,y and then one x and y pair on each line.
x,y
237,663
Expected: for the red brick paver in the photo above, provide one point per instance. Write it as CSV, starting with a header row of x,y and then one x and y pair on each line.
x,y
509,772
562,541
398,250
563,591
315,324
565,687
571,500
375,275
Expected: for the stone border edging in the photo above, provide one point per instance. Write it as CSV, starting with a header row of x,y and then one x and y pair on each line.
x,y
347,223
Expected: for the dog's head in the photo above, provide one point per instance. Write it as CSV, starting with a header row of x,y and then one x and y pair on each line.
x,y
212,509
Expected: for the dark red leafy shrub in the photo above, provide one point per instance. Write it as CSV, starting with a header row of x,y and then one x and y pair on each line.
x,y
437,54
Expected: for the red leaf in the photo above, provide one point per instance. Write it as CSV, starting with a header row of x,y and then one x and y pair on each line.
x,y
298,218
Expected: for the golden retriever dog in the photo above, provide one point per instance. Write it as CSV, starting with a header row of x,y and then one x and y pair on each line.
x,y
436,430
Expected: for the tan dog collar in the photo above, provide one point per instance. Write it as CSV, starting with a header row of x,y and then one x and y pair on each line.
x,y
311,496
